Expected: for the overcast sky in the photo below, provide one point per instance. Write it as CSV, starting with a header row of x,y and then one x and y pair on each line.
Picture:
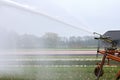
x,y
93,15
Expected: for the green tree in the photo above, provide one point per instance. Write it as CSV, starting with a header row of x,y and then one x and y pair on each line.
x,y
51,40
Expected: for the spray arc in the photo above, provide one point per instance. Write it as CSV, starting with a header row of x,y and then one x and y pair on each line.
x,y
34,10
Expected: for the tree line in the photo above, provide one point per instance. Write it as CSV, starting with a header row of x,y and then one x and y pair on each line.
x,y
12,40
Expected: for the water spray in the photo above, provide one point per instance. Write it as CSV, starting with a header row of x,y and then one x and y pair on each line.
x,y
38,12
13,4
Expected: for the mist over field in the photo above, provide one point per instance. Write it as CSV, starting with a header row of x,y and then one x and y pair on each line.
x,y
13,40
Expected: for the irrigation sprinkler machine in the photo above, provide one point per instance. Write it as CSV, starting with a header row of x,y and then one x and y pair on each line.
x,y
110,41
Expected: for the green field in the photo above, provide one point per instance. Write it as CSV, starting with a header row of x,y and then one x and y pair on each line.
x,y
61,73
59,70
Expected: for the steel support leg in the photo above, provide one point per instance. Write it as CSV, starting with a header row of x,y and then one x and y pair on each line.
x,y
101,66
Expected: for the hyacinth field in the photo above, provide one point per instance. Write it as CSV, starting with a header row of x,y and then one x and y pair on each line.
x,y
56,68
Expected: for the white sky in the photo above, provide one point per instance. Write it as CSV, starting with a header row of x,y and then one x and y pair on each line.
x,y
93,15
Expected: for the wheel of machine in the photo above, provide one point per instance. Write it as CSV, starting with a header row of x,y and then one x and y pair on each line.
x,y
118,76
96,71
